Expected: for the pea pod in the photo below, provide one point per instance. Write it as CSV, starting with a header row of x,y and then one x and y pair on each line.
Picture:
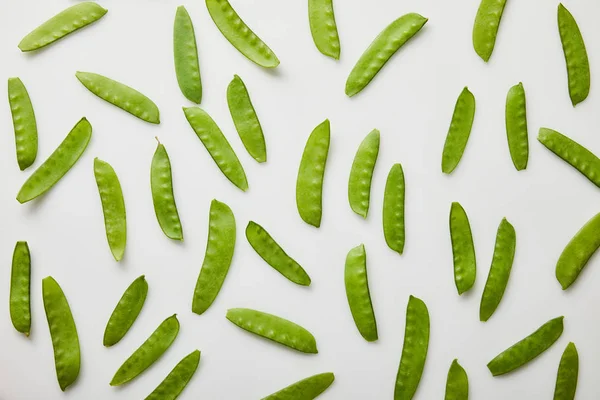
x,y
274,255
414,349
150,351
172,386
185,51
393,209
361,174
357,291
323,28
576,58
62,24
25,126
58,164
217,258
307,389
65,341
485,29
161,181
20,296
463,249
274,328
568,371
126,312
457,384
516,126
309,185
459,132
527,349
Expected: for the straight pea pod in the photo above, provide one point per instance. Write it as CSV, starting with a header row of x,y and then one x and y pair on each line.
x,y
25,126
113,207
172,386
568,371
20,283
323,28
516,126
576,58
307,389
463,249
161,183
361,174
485,28
459,131
126,312
457,383
357,291
185,51
393,209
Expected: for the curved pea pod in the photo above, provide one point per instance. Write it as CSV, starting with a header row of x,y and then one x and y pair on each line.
x,y
150,351
357,291
568,371
309,184
414,349
457,383
306,389
504,254
361,174
126,312
323,27
161,182
245,119
58,164
576,58
485,29
65,341
268,249
527,349
383,47
393,209
578,252
62,24
240,35
459,131
573,153
274,328
20,284
185,52
172,386
217,146
113,207
516,126
120,95
25,126
463,249
217,258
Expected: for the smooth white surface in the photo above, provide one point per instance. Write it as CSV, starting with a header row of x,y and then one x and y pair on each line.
x,y
410,101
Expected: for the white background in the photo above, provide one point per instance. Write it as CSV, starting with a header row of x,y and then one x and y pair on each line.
x,y
410,101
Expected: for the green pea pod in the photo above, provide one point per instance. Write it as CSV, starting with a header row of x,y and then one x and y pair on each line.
x,y
172,386
527,349
323,27
578,252
459,132
309,185
274,255
457,384
161,181
414,349
150,351
62,24
516,126
504,254
185,51
361,174
274,328
20,296
357,291
568,371
217,259
217,146
245,119
120,95
126,312
463,249
240,35
306,389
58,164
485,29
65,341
25,126
576,58
393,209
385,45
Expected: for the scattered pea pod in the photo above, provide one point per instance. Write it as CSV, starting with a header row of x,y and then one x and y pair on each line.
x,y
120,95
161,181
58,164
274,255
457,384
309,185
240,35
307,389
126,312
62,24
414,349
217,258
576,58
485,29
463,249
65,341
357,291
274,328
25,126
527,349
323,28
568,371
172,386
150,351
20,296
361,174
185,51
516,126
385,45
459,132
393,209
